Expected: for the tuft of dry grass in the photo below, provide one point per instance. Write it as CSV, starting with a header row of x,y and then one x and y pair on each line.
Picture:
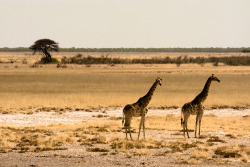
x,y
179,146
228,151
244,158
215,139
98,140
124,144
32,139
200,155
141,152
231,136
96,149
141,147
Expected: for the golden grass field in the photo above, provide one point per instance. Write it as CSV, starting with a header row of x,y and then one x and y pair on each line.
x,y
224,140
79,86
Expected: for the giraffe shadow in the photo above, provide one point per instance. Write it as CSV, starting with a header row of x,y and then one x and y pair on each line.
x,y
132,130
189,130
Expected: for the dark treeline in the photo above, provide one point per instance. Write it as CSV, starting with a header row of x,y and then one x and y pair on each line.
x,y
73,49
88,60
19,49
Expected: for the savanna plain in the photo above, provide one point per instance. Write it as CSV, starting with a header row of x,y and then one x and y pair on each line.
x,y
72,116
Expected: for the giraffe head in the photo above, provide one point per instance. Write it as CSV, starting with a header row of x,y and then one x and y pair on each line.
x,y
158,80
214,78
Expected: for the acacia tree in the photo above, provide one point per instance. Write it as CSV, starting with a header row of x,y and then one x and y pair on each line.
x,y
44,46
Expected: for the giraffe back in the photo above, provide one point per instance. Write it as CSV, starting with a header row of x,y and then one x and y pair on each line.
x,y
191,108
132,110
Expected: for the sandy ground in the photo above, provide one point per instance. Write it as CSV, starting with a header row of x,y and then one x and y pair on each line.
x,y
78,157
76,154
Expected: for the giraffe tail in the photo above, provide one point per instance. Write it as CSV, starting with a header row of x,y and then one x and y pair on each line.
x,y
122,117
182,122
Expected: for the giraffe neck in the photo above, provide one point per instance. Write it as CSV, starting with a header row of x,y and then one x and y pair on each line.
x,y
204,93
144,101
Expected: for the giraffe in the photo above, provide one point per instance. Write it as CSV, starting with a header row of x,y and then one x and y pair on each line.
x,y
138,109
195,107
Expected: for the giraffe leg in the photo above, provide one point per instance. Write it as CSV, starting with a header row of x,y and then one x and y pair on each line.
x,y
130,133
196,123
200,124
186,129
140,127
144,127
126,130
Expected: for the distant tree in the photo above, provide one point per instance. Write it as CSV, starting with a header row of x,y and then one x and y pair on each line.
x,y
178,61
44,46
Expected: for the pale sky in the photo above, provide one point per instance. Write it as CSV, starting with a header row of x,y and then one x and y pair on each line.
x,y
126,23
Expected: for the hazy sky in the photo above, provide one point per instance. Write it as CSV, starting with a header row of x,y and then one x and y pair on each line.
x,y
126,23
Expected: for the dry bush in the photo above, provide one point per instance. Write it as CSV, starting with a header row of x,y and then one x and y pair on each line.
x,y
245,158
100,116
228,151
245,149
32,139
142,152
60,65
97,140
124,144
94,127
179,146
96,149
200,154
232,136
215,139
5,144
121,145
115,118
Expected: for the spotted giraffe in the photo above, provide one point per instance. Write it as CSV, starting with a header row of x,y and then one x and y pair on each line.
x,y
195,107
138,109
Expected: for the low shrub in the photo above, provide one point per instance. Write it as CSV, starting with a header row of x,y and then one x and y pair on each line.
x,y
215,139
105,59
59,65
45,60
97,150
228,152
